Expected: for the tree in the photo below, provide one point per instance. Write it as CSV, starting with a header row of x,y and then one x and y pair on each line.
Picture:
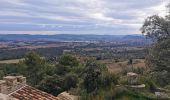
x,y
1,74
158,59
107,79
35,68
96,76
68,60
52,84
70,81
92,76
130,61
159,56
62,70
156,27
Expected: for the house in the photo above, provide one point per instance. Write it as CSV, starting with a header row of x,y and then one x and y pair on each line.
x,y
15,88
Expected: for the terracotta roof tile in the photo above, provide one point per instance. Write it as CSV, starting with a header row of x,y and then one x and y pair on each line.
x,y
30,93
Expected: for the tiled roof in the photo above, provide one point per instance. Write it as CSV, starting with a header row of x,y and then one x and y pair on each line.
x,y
30,93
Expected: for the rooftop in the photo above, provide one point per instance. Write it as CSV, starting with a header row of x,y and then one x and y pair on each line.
x,y
30,93
15,88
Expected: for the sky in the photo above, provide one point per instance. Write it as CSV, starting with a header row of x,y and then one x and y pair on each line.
x,y
111,17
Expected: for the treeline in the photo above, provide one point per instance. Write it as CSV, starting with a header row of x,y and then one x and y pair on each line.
x,y
104,53
6,54
112,53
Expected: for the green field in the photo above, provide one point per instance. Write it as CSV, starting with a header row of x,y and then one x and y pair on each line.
x,y
11,61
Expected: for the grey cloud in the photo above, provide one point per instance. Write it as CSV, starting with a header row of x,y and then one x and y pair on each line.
x,y
79,16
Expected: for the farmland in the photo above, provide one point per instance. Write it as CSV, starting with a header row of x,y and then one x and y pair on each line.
x,y
11,61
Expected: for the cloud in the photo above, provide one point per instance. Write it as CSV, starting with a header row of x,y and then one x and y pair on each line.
x,y
77,16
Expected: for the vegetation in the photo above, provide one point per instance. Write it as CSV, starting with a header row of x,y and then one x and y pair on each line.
x,y
87,70
90,78
8,54
158,60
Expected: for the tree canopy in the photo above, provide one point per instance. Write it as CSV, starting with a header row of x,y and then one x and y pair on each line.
x,y
35,68
157,27
158,59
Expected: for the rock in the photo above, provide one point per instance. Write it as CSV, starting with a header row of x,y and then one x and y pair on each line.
x,y
138,86
161,95
66,96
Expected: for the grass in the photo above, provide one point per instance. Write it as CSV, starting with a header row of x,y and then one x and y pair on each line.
x,y
116,67
118,93
11,61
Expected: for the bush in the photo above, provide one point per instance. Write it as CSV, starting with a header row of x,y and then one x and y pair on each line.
x,y
139,70
68,60
52,84
125,70
122,93
70,81
92,76
167,87
161,78
1,74
62,70
108,79
123,80
148,81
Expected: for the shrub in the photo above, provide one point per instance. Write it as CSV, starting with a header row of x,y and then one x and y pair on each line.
x,y
123,80
68,60
52,84
108,79
148,81
62,70
167,87
70,81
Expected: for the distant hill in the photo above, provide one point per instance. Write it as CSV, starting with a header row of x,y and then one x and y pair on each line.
x,y
70,37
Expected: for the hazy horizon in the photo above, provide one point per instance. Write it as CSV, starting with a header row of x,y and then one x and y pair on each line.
x,y
51,33
97,17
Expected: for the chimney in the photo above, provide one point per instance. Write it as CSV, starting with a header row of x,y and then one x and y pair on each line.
x,y
21,80
3,87
10,84
10,80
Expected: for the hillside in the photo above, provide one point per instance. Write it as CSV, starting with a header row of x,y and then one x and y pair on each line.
x,y
71,37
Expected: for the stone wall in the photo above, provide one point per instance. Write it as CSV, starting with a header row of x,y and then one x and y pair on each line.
x,y
6,97
10,84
